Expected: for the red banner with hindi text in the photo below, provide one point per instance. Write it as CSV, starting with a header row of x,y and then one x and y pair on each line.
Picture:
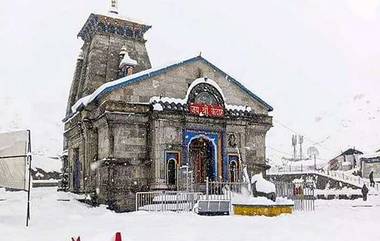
x,y
206,110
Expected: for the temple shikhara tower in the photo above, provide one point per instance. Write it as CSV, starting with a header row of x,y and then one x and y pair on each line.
x,y
131,128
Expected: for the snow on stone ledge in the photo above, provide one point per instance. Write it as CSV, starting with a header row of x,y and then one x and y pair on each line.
x,y
263,185
158,107
82,101
156,99
238,108
127,61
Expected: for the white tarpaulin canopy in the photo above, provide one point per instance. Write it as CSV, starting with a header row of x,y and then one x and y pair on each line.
x,y
14,166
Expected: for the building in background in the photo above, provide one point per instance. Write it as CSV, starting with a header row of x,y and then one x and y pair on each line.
x,y
130,128
370,163
348,160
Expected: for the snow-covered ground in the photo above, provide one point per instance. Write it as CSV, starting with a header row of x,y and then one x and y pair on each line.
x,y
60,220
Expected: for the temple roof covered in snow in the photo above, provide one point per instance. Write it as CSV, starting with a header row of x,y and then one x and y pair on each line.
x,y
147,74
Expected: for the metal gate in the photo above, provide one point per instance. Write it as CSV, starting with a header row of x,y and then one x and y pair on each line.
x,y
222,190
303,196
304,199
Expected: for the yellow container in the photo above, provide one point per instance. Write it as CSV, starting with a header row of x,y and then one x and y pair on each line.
x,y
262,210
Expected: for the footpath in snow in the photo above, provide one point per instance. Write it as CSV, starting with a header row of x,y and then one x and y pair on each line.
x,y
60,220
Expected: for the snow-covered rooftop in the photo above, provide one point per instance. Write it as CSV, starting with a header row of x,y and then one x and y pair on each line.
x,y
371,155
143,75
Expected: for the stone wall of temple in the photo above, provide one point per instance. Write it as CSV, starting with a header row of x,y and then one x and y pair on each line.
x,y
255,147
100,60
124,167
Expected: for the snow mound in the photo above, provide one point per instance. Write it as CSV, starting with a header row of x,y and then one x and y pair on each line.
x,y
263,185
249,200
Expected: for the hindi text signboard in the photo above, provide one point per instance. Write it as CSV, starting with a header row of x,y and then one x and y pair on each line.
x,y
206,110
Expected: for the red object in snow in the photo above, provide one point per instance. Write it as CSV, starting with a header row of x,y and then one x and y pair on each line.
x,y
117,236
78,239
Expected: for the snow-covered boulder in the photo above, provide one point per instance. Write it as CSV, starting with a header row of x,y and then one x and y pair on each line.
x,y
262,187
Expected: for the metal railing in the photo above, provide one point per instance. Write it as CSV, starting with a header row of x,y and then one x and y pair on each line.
x,y
177,201
217,190
182,201
355,180
304,199
284,189
163,201
302,196
293,169
337,175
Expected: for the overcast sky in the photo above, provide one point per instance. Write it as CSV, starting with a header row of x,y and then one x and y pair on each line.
x,y
315,61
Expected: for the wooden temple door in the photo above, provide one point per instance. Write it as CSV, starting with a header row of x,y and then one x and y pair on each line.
x,y
199,166
201,156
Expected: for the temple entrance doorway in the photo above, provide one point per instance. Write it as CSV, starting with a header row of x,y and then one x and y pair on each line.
x,y
202,159
233,168
171,179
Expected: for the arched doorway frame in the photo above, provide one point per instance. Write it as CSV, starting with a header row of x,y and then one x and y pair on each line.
x,y
172,155
215,154
174,170
233,173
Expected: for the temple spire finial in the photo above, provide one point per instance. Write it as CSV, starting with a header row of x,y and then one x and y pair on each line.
x,y
114,7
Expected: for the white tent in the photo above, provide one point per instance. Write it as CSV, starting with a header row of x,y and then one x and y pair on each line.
x,y
14,161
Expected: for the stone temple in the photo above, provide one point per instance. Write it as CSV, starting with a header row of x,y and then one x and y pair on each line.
x,y
131,128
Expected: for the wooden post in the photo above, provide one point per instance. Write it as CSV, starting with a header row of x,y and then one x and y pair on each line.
x,y
29,158
207,188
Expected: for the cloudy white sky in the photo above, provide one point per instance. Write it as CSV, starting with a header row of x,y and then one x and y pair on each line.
x,y
315,61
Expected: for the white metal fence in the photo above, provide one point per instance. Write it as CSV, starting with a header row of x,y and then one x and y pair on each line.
x,y
161,201
183,201
302,196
